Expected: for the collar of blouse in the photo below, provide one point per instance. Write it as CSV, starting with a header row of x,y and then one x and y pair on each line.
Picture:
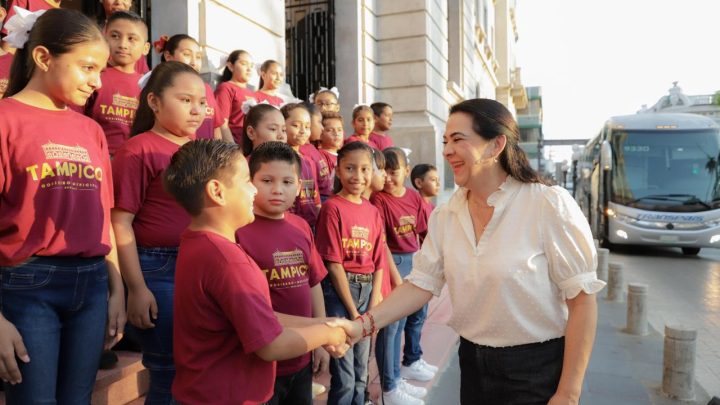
x,y
498,199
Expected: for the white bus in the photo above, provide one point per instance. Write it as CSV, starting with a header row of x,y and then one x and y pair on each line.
x,y
653,179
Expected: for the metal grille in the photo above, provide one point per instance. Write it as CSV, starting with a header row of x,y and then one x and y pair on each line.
x,y
310,45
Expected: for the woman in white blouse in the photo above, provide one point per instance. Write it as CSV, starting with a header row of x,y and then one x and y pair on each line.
x,y
519,261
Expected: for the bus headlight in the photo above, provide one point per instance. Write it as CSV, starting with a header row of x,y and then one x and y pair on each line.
x,y
715,239
621,233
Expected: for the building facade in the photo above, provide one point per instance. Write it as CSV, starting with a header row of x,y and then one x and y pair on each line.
x,y
420,56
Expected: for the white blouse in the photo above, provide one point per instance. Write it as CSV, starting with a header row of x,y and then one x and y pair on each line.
x,y
510,287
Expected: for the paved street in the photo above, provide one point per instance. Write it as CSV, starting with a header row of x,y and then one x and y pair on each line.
x,y
626,369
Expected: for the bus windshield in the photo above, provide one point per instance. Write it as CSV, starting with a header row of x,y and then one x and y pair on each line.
x,y
666,171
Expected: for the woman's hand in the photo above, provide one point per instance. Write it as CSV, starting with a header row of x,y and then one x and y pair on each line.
x,y
142,307
116,319
11,345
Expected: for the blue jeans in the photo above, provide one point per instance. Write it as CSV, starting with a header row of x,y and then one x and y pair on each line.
x,y
59,305
348,375
387,354
412,351
158,268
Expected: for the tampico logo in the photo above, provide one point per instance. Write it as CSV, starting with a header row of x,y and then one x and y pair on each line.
x,y
57,151
288,258
124,101
359,232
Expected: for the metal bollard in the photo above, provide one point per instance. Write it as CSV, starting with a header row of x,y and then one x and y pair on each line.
x,y
637,312
616,283
603,261
679,363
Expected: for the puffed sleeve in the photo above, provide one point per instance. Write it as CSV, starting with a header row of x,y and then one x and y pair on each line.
x,y
428,270
568,244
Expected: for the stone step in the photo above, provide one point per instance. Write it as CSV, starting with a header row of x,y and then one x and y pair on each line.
x,y
123,384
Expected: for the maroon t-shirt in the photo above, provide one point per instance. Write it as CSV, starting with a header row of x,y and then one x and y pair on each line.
x,y
213,117
138,169
32,5
355,138
306,202
325,178
404,219
113,106
5,63
291,265
55,184
230,98
351,234
222,316
274,100
141,66
382,141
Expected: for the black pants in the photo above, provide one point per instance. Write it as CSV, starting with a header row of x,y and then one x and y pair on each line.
x,y
294,389
518,375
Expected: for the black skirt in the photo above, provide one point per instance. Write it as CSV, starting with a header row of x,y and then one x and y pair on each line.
x,y
517,375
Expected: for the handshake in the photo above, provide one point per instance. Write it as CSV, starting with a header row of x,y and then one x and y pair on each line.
x,y
345,333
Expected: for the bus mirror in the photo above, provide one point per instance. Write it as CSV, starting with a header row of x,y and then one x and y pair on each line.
x,y
606,155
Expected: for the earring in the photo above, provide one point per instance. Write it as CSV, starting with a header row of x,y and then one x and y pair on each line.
x,y
495,160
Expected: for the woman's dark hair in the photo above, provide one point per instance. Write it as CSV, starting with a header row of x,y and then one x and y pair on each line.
x,y
491,119
232,58
264,68
173,43
395,158
193,165
252,119
379,107
59,30
354,147
419,172
290,107
274,151
162,77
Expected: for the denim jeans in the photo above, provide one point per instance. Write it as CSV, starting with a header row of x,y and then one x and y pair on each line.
x,y
516,375
158,268
293,389
348,375
59,305
412,351
387,354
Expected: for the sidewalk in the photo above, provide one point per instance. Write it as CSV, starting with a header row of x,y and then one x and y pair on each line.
x,y
623,370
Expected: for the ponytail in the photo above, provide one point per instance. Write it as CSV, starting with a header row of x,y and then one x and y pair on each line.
x,y
231,59
60,31
264,68
172,44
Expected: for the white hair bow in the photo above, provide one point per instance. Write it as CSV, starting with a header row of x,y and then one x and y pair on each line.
x,y
19,26
250,103
360,105
334,90
143,81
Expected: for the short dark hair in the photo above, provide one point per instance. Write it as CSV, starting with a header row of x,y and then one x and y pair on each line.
x,y
274,151
395,158
128,16
331,115
193,165
379,107
419,172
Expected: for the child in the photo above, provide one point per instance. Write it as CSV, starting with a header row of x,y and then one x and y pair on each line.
x,y
226,334
111,7
424,178
271,79
5,57
263,123
350,240
402,213
61,290
363,123
113,106
331,140
323,174
383,113
233,91
291,263
297,125
148,222
184,48
326,99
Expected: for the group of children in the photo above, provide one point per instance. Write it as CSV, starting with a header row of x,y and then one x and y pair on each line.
x,y
227,226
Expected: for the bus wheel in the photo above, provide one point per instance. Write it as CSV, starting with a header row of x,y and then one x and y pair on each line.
x,y
690,251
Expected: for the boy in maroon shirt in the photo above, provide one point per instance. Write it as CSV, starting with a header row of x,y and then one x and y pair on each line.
x,y
291,263
113,106
424,178
226,335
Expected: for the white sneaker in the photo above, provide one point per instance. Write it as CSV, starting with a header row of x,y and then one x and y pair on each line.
x,y
317,389
417,372
417,392
400,397
428,366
